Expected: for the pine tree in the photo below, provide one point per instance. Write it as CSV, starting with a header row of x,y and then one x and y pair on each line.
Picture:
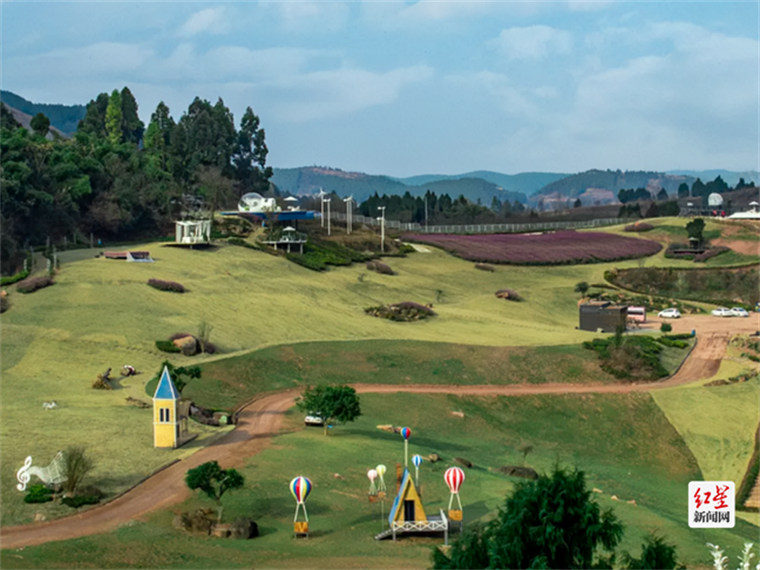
x,y
114,118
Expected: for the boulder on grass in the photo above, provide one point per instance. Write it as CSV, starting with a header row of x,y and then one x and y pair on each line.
x,y
244,528
517,471
463,462
221,531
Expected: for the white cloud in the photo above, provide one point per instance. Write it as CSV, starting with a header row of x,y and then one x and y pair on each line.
x,y
210,20
340,92
532,42
588,5
311,17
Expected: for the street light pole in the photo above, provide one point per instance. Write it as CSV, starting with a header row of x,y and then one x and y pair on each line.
x,y
322,200
382,229
349,207
328,215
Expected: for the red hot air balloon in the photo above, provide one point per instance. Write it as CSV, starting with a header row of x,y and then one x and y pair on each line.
x,y
454,478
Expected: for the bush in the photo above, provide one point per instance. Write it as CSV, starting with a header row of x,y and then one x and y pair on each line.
x,y
508,294
404,312
666,327
4,304
76,467
665,341
166,346
638,227
32,284
38,494
14,278
380,267
712,252
80,500
485,267
637,358
166,285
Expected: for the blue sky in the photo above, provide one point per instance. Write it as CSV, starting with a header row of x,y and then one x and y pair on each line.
x,y
406,88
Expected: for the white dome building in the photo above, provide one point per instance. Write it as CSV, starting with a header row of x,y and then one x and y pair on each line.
x,y
715,200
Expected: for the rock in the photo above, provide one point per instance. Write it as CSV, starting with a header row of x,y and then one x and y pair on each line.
x,y
199,521
221,531
517,471
244,528
181,521
632,502
338,476
614,498
458,414
388,428
433,458
463,462
595,490
39,517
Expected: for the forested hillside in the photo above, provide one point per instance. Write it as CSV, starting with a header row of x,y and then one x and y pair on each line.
x,y
119,180
65,118
613,180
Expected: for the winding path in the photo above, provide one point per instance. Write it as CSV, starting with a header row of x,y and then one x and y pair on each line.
x,y
261,419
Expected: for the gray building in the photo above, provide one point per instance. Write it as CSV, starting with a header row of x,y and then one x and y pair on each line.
x,y
602,316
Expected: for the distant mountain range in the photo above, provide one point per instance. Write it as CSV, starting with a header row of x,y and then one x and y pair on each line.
x,y
592,186
65,118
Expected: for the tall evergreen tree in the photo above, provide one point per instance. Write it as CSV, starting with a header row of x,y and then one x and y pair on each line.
x,y
250,156
114,118
94,121
40,125
132,127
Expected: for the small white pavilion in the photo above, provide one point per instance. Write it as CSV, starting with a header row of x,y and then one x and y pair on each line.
x,y
193,232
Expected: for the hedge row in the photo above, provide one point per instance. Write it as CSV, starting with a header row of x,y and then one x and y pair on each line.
x,y
13,278
406,311
166,285
31,284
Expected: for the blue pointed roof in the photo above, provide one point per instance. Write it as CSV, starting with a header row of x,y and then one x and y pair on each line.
x,y
166,390
397,500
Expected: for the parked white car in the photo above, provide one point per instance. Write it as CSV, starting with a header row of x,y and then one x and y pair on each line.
x,y
669,314
739,312
314,420
722,312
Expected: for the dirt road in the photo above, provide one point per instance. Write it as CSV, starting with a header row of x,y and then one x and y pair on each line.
x,y
262,418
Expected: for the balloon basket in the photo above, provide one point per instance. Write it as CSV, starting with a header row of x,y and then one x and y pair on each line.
x,y
301,528
455,515
372,498
381,495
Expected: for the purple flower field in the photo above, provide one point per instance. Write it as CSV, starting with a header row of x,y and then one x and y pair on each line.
x,y
541,249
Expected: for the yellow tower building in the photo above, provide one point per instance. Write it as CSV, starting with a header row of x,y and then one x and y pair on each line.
x,y
165,418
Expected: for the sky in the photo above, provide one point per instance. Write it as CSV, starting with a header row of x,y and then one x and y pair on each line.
x,y
409,88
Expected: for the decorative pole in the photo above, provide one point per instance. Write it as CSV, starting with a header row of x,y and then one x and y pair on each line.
x,y
406,434
382,229
417,460
381,493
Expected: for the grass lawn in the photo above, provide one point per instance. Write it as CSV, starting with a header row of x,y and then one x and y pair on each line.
x,y
624,443
231,382
101,314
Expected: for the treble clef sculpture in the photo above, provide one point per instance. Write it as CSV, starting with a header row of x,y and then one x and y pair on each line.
x,y
53,474
23,474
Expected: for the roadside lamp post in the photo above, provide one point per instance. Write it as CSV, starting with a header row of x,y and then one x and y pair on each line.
x,y
382,229
321,195
328,215
349,206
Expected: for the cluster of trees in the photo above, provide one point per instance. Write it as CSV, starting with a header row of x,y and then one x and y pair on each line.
x,y
117,179
551,522
698,190
440,209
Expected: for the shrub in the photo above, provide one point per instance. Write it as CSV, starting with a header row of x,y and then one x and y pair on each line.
x,y
665,341
166,285
80,500
14,278
38,494
101,383
637,358
406,311
666,327
485,267
32,284
712,252
638,227
4,304
166,346
76,467
508,294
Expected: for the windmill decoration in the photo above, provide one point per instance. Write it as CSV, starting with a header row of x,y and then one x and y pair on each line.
x,y
454,478
417,460
406,433
300,487
381,483
372,475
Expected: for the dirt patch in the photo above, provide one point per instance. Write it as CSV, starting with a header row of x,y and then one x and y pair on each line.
x,y
746,247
